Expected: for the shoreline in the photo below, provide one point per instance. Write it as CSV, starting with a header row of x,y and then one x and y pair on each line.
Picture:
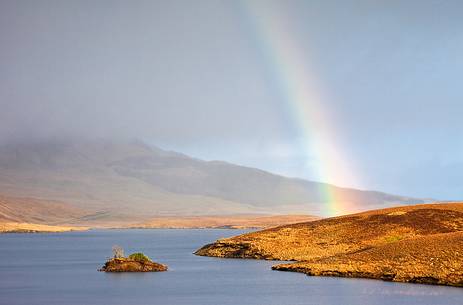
x,y
363,275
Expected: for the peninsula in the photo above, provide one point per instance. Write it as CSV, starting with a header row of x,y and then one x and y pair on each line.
x,y
416,244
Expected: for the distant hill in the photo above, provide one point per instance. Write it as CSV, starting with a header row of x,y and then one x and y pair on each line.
x,y
132,178
28,215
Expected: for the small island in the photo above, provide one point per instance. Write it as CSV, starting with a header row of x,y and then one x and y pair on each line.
x,y
136,262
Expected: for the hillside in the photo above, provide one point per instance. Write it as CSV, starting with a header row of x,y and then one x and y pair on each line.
x,y
387,244
32,210
28,213
130,177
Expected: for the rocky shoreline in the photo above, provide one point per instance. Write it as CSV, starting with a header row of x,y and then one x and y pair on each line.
x,y
342,271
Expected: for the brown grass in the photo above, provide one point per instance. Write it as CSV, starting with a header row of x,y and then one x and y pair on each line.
x,y
432,259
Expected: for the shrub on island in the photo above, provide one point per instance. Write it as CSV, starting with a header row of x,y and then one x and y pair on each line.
x,y
139,257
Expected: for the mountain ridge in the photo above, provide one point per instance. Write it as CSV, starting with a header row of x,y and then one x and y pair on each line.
x,y
130,176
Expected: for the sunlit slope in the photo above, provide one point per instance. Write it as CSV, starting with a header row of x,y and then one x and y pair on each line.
x,y
21,227
430,259
224,221
332,236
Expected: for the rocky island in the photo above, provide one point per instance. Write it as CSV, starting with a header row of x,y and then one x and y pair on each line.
x,y
137,262
416,244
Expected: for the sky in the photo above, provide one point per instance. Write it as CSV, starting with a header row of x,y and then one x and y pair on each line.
x,y
364,94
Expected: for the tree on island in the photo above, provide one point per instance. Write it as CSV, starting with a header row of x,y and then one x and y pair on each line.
x,y
118,251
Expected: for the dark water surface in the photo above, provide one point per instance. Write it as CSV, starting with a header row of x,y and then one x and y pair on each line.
x,y
62,268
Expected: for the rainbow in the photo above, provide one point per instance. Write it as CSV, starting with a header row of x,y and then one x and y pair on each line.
x,y
303,94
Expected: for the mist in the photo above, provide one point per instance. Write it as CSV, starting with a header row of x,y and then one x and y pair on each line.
x,y
191,77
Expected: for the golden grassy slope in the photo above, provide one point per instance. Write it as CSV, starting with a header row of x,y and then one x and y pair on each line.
x,y
224,221
327,246
21,227
432,259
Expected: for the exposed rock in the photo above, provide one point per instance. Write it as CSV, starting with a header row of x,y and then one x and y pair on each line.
x,y
232,250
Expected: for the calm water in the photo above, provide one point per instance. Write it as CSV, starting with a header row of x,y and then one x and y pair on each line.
x,y
61,269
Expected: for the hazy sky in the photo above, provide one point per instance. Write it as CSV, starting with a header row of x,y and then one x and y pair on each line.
x,y
199,77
